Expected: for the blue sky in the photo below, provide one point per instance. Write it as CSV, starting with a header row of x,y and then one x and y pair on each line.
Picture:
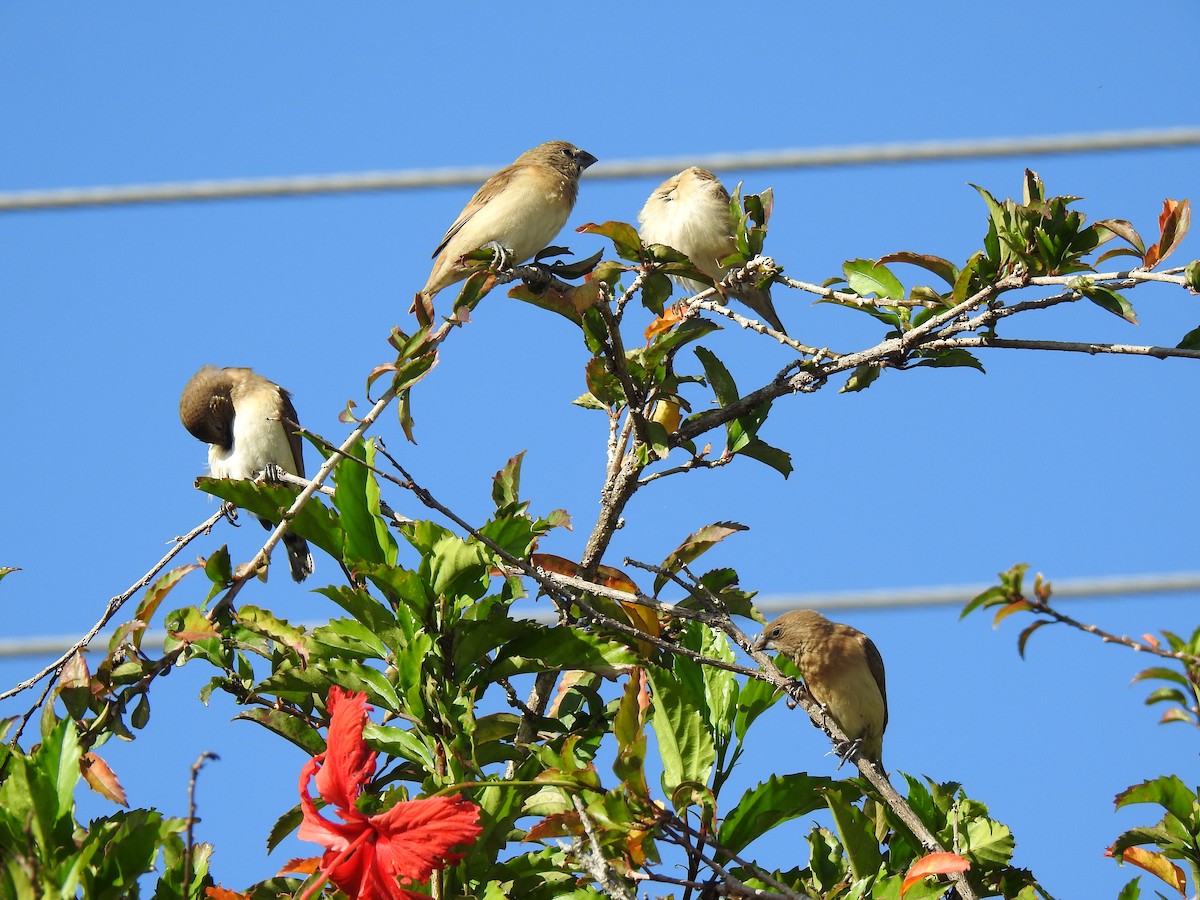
x,y
1079,466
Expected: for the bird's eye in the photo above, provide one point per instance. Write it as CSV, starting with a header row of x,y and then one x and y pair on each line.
x,y
776,632
565,152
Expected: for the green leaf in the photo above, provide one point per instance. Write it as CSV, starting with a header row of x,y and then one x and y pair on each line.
x,y
774,801
755,697
779,460
867,277
1191,340
857,833
1106,298
356,496
718,376
988,842
315,521
1169,792
400,742
694,545
287,726
684,743
950,358
942,268
506,483
860,379
624,237
541,648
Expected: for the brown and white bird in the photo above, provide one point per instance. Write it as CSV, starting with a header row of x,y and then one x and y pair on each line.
x,y
842,669
689,212
244,418
518,210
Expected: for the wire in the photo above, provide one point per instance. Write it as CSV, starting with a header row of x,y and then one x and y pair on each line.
x,y
414,179
771,605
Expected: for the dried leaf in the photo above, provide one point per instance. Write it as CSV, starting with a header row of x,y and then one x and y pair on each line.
x,y
101,778
1156,864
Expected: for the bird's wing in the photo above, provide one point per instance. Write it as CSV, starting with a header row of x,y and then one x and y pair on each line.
x,y
288,412
875,664
489,189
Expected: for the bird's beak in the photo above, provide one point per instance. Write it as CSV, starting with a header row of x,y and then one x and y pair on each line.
x,y
762,642
585,159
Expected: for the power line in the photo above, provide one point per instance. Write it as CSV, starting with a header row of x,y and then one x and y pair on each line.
x,y
414,179
771,605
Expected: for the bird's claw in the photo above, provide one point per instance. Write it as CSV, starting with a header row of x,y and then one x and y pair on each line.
x,y
503,254
848,750
229,511
272,473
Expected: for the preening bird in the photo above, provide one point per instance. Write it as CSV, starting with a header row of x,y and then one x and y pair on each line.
x,y
241,416
689,212
518,210
842,669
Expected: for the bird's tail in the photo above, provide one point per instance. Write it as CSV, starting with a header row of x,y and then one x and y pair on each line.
x,y
299,556
759,300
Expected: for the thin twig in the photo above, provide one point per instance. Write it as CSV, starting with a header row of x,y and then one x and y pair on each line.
x,y
114,605
191,820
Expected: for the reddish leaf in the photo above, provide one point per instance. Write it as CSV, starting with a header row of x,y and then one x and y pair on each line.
x,y
220,893
101,778
942,268
1173,224
615,579
156,593
1028,633
671,317
557,564
75,672
934,864
1008,609
1155,864
298,866
696,544
558,825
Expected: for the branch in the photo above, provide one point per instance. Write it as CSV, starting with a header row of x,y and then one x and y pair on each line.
x,y
114,606
1065,346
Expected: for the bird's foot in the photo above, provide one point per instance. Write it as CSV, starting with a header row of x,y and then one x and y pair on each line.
x,y
229,511
272,473
847,750
501,259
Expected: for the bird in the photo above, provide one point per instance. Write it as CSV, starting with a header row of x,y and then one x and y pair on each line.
x,y
244,418
689,212
517,211
843,671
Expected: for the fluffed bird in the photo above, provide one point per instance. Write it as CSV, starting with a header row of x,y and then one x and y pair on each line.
x,y
244,418
689,212
842,669
518,210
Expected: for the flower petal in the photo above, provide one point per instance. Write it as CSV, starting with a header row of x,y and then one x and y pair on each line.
x,y
348,764
416,836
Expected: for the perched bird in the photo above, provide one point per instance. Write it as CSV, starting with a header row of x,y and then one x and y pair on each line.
x,y
240,415
842,669
518,211
689,212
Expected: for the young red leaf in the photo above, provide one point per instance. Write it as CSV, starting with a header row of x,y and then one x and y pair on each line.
x,y
934,864
1173,224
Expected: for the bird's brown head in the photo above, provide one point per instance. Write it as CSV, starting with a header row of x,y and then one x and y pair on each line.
x,y
791,631
206,406
559,155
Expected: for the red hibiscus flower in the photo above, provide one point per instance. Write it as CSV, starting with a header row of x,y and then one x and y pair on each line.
x,y
368,857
